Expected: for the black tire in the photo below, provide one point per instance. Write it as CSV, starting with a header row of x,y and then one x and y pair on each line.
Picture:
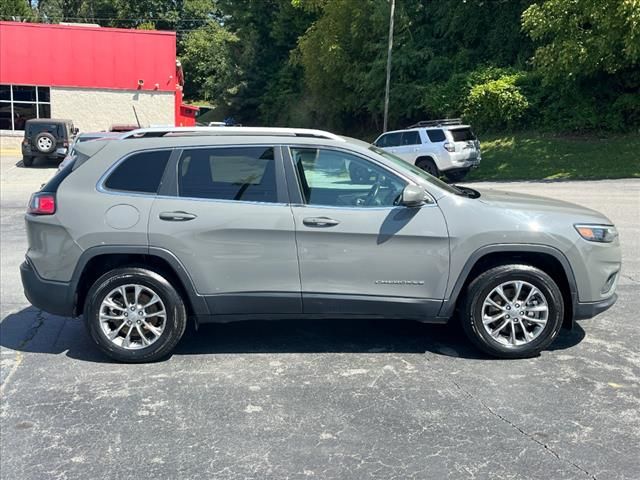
x,y
48,136
429,166
481,287
456,176
27,161
176,318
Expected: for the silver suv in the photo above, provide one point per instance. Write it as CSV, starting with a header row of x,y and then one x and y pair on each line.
x,y
439,147
142,233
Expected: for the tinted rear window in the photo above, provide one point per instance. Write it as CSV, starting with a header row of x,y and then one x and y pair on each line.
x,y
462,134
242,174
436,136
141,172
56,129
411,138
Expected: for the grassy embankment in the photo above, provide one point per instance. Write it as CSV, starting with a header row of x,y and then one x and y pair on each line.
x,y
533,156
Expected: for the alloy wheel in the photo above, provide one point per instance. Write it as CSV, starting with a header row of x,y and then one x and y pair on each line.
x,y
132,316
515,313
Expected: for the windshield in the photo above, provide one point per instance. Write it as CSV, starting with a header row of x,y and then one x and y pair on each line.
x,y
415,171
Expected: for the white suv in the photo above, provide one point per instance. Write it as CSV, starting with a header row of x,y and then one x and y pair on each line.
x,y
437,146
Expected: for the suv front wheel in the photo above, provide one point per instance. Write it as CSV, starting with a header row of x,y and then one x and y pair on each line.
x,y
513,311
134,315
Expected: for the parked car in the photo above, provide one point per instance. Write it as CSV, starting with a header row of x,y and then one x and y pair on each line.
x,y
142,233
439,147
123,127
46,138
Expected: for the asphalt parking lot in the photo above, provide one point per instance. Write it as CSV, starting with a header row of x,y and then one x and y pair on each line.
x,y
329,399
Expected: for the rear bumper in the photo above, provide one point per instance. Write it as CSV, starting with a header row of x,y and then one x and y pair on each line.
x,y
59,152
53,297
586,310
466,164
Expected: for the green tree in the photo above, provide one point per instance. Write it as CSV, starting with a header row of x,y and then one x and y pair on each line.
x,y
15,9
207,56
584,37
344,52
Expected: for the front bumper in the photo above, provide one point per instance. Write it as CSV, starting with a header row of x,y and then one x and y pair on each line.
x,y
584,310
53,297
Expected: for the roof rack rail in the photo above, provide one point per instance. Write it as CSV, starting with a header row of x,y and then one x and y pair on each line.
x,y
437,123
229,131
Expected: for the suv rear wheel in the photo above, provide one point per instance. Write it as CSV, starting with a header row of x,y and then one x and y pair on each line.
x,y
27,161
134,315
513,311
456,176
429,166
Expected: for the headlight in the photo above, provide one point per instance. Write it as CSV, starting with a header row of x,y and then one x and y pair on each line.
x,y
597,233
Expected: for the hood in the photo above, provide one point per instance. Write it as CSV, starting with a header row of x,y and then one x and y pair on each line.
x,y
522,202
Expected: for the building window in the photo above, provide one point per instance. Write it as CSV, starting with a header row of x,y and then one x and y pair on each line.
x,y
19,103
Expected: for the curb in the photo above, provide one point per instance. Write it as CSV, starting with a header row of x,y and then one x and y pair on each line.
x,y
10,152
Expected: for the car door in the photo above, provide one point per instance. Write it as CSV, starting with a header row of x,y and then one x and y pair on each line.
x,y
409,147
360,252
390,141
226,218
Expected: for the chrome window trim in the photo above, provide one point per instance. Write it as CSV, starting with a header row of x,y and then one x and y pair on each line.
x,y
102,189
404,177
100,185
199,147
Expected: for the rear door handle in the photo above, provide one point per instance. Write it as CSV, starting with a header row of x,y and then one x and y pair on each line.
x,y
320,222
176,216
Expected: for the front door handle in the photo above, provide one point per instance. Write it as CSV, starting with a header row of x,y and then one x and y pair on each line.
x,y
320,222
176,216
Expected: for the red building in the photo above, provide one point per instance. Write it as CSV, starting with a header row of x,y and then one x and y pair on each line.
x,y
95,76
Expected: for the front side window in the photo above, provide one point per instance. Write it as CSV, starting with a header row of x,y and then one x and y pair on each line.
x,y
394,139
237,173
19,103
382,141
412,169
139,173
335,178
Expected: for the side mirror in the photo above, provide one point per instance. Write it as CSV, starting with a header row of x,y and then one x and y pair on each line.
x,y
412,196
75,130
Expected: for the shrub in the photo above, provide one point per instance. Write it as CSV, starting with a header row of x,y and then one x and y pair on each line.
x,y
495,104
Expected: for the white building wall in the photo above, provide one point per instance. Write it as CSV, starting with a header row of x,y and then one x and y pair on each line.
x,y
97,109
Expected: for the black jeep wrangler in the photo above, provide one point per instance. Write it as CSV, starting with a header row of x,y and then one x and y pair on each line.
x,y
46,138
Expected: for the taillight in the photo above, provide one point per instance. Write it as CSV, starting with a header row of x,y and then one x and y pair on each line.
x,y
449,147
42,204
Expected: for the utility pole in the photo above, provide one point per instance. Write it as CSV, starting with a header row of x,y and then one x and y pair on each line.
x,y
386,89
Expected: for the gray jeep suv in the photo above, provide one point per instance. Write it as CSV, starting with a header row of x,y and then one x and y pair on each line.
x,y
142,233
